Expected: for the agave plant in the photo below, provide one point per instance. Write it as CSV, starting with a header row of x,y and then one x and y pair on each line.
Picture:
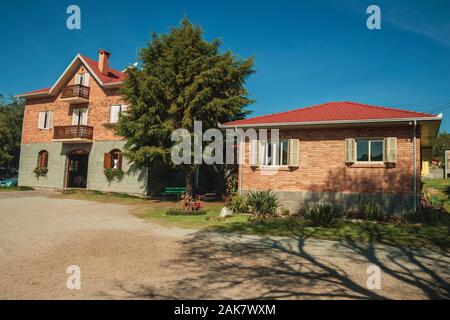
x,y
263,204
370,211
323,215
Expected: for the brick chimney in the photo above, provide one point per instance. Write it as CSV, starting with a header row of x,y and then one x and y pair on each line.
x,y
103,61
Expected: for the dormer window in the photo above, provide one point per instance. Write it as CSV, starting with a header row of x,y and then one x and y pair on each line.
x,y
82,78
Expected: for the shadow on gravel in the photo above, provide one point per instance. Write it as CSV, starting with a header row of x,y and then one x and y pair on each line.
x,y
230,266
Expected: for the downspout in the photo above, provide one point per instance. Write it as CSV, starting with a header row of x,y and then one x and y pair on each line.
x,y
240,165
415,167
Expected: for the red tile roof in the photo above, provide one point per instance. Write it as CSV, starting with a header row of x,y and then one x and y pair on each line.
x,y
38,91
112,76
332,111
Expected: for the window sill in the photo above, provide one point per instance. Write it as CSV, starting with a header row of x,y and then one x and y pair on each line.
x,y
370,165
273,168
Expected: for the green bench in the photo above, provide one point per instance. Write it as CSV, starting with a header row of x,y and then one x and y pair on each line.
x,y
171,191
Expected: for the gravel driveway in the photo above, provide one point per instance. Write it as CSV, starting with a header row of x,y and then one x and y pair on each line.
x,y
121,256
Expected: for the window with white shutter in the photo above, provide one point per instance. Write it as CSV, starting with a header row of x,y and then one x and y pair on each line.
x,y
45,120
75,117
254,152
41,122
84,120
82,78
369,150
86,80
49,122
350,154
273,153
116,111
80,117
294,153
390,150
114,114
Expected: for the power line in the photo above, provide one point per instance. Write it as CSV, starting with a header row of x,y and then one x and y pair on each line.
x,y
439,108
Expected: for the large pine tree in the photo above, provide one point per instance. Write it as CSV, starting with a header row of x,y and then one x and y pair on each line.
x,y
183,78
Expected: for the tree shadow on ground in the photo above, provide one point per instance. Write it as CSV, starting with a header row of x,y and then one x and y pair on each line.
x,y
230,266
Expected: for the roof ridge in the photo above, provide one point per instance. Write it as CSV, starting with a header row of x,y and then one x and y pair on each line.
x,y
289,111
388,108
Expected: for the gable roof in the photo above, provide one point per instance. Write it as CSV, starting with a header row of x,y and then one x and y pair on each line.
x,y
113,75
332,112
113,78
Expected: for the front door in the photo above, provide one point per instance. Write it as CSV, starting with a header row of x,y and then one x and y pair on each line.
x,y
77,168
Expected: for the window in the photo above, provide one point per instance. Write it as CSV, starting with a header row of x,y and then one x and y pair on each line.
x,y
79,116
368,150
273,153
45,120
116,111
113,159
42,159
82,78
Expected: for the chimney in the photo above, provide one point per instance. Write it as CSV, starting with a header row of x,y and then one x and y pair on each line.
x,y
103,61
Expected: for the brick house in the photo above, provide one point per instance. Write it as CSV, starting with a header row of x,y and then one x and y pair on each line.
x,y
340,152
63,130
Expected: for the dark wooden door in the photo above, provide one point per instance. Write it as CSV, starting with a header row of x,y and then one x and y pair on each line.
x,y
77,170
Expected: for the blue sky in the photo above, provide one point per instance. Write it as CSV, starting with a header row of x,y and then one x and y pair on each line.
x,y
307,52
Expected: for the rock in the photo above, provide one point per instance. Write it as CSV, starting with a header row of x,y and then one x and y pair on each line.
x,y
225,212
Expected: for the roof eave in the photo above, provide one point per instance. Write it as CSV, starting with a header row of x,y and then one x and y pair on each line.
x,y
113,84
37,94
312,123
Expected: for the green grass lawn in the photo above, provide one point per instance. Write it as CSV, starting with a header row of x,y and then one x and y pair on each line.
x,y
440,188
359,231
211,219
16,188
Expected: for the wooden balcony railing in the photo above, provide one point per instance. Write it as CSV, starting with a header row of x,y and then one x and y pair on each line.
x,y
73,132
75,91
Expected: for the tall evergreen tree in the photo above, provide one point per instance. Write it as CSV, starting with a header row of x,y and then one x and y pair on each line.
x,y
183,79
11,117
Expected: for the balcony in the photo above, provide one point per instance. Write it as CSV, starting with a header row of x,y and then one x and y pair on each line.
x,y
76,93
75,134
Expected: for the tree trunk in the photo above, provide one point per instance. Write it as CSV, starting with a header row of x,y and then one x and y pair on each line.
x,y
188,181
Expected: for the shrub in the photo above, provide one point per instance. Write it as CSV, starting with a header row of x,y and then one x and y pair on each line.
x,y
112,174
370,211
283,212
181,212
238,204
430,211
191,205
322,215
231,186
40,171
263,204
304,209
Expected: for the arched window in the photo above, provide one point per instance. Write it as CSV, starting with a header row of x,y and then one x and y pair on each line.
x,y
113,159
43,159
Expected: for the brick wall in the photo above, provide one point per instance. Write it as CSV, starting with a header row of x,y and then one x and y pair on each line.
x,y
322,167
99,104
